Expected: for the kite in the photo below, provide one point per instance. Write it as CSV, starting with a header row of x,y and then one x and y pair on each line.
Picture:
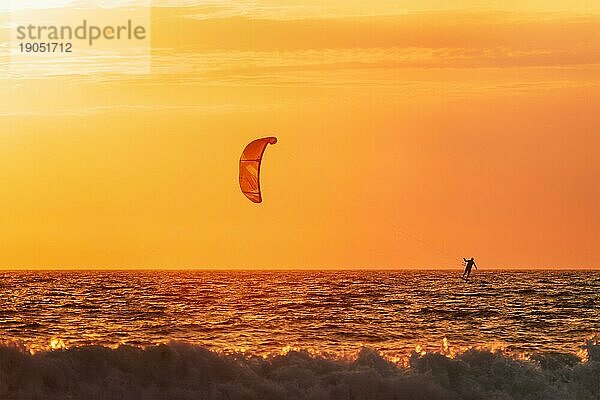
x,y
250,168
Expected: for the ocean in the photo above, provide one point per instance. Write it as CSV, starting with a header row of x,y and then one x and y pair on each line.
x,y
299,335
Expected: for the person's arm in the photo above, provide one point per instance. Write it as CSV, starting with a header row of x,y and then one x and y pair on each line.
x,y
464,259
475,265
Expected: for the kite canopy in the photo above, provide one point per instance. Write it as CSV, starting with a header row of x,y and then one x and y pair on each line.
x,y
250,168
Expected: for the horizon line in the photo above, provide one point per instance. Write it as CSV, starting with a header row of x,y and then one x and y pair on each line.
x,y
283,269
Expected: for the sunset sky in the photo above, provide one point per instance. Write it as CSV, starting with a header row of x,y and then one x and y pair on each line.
x,y
411,134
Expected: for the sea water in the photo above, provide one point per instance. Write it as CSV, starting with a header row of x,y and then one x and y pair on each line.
x,y
301,334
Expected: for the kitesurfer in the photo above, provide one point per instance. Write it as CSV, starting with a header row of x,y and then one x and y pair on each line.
x,y
469,264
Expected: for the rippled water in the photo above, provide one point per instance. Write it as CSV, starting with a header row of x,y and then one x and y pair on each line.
x,y
264,312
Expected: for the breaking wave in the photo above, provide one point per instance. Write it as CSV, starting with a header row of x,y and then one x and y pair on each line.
x,y
178,371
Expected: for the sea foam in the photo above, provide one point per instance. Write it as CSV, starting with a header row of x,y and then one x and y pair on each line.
x,y
178,371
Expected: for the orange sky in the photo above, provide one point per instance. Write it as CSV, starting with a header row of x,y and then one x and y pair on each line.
x,y
473,128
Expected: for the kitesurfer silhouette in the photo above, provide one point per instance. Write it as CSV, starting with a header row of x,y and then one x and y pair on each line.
x,y
469,264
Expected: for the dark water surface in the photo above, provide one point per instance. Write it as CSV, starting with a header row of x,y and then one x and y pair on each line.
x,y
330,312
